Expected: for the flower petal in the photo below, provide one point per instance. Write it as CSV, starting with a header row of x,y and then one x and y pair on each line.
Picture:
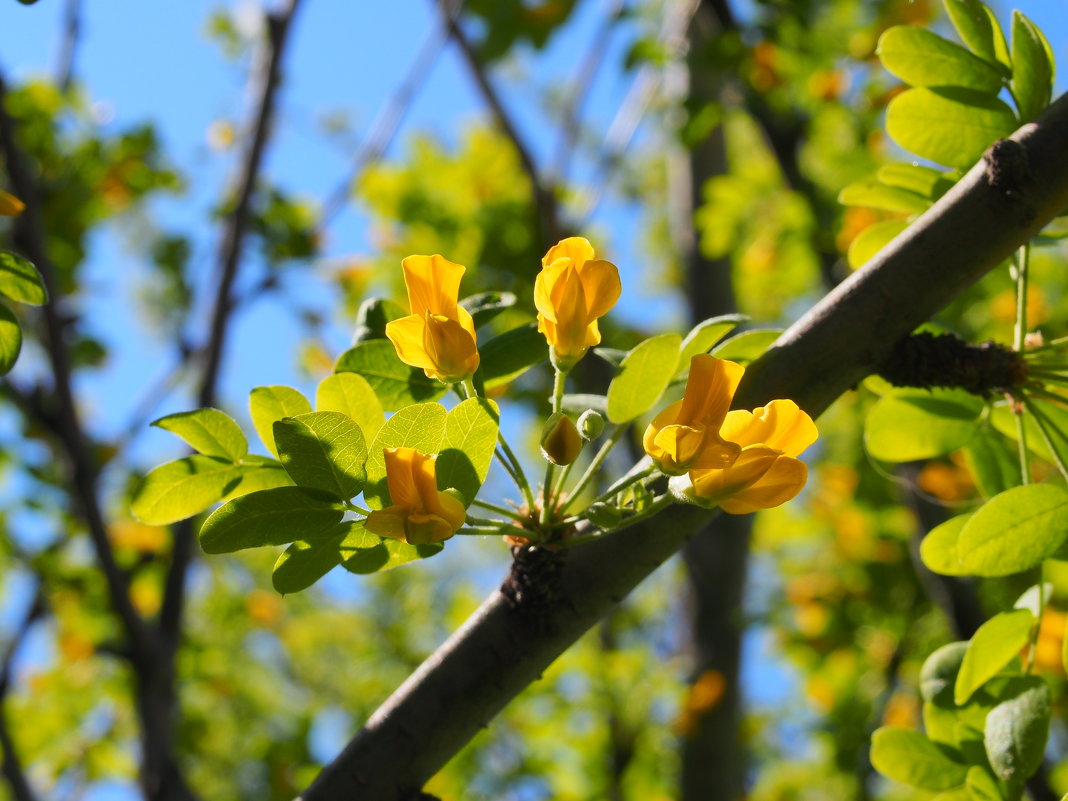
x,y
408,335
400,468
709,390
544,285
600,280
433,284
576,248
450,349
781,482
388,522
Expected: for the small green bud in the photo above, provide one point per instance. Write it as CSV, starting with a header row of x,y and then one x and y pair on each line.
x,y
590,425
560,440
603,516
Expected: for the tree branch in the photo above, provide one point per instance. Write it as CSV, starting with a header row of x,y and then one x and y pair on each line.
x,y
544,196
505,646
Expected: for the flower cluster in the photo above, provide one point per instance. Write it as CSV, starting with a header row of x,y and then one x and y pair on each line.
x,y
738,460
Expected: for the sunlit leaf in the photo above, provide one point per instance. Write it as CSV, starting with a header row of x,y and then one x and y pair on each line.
x,y
420,427
467,450
182,488
323,451
388,554
993,646
267,405
19,280
395,383
271,517
349,393
1032,67
1015,530
873,239
916,178
747,346
208,431
644,375
704,335
306,561
1017,728
939,548
911,758
920,57
875,195
916,424
10,339
950,126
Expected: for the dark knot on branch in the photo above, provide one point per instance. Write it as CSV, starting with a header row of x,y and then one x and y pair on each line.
x,y
943,360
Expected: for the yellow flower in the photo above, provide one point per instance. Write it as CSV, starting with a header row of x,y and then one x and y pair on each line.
x,y
767,472
439,335
571,292
685,435
10,206
420,514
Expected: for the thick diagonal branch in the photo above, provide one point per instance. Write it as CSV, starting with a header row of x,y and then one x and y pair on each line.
x,y
505,646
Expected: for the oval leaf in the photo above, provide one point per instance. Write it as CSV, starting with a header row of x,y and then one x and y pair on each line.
x,y
873,239
973,26
747,346
911,425
10,339
349,393
507,356
704,335
395,383
323,451
182,488
484,306
467,451
1015,530
266,405
922,58
993,646
1017,728
388,554
911,758
939,548
1032,67
258,473
305,562
19,280
420,426
372,317
950,126
271,517
643,377
874,195
923,181
208,431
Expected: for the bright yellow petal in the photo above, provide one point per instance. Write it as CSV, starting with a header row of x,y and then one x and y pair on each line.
x,y
403,491
572,324
792,429
781,482
423,529
388,522
433,284
709,390
717,485
450,349
600,280
544,285
408,335
452,511
575,248
10,206
425,477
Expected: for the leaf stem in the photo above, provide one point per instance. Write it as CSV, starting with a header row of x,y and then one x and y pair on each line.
x,y
623,483
592,468
1042,421
1022,260
501,510
515,470
656,506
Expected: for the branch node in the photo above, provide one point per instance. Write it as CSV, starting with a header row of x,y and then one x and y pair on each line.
x,y
928,360
532,586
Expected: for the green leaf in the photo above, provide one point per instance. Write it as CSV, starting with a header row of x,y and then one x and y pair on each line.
x,y
923,181
387,554
10,339
1015,530
208,431
614,356
19,280
267,405
306,561
873,239
1035,598
182,488
994,466
916,424
270,517
747,346
644,375
349,393
258,473
981,785
993,646
939,548
323,451
484,306
1032,67
922,58
576,404
372,316
1016,729
973,26
704,335
911,758
467,451
507,356
395,383
874,195
950,126
420,427
939,671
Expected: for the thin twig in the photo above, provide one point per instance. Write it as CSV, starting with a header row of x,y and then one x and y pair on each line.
x,y
544,195
72,34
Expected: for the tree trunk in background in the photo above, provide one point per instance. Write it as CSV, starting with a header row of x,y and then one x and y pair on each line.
x,y
713,761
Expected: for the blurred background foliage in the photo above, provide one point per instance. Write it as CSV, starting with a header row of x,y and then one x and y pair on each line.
x,y
838,614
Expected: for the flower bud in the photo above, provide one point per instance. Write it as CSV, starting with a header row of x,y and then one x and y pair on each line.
x,y
560,440
590,425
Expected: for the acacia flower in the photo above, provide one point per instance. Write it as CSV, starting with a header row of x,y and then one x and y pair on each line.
x,y
420,514
10,206
686,435
571,292
767,472
439,334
